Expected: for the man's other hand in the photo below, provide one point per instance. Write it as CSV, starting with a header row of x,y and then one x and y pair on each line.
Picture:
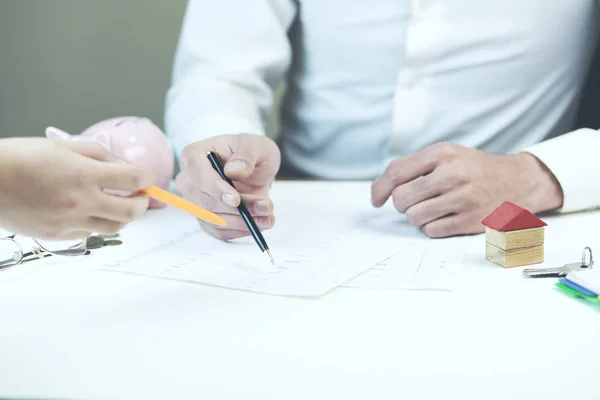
x,y
447,189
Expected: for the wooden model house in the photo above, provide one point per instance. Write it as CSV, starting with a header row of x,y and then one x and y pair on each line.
x,y
513,236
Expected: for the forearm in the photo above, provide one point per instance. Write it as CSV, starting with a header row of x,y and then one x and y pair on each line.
x,y
230,57
9,156
4,175
9,172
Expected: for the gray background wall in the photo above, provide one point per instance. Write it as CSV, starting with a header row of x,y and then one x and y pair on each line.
x,y
70,63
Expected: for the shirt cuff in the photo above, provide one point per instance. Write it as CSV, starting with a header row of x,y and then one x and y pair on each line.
x,y
574,159
209,126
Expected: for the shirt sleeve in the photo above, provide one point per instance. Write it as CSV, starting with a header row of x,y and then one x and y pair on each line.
x,y
230,57
574,158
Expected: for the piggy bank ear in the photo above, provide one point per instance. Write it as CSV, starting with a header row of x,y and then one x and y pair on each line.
x,y
55,133
102,138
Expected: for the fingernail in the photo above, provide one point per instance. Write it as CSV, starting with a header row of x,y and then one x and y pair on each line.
x,y
228,199
262,208
263,222
236,165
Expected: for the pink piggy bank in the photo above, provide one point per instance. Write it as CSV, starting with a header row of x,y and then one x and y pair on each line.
x,y
134,140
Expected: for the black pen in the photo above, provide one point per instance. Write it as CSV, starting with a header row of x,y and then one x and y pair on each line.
x,y
246,216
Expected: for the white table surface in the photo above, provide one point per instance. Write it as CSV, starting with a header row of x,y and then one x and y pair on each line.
x,y
69,333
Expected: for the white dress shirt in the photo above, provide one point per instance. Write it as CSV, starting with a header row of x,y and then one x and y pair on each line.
x,y
370,81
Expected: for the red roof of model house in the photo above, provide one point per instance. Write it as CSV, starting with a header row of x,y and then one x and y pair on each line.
x,y
511,217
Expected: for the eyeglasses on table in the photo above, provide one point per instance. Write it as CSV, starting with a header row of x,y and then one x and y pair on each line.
x,y
12,250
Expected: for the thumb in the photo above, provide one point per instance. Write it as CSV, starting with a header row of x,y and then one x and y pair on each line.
x,y
247,152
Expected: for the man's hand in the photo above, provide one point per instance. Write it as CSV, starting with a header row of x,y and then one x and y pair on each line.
x,y
250,161
56,189
447,189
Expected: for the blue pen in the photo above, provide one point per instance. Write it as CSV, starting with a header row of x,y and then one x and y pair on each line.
x,y
578,288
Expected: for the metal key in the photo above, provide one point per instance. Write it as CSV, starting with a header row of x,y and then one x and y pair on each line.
x,y
113,236
112,243
563,271
96,242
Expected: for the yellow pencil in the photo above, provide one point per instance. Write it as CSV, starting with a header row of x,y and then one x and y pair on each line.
x,y
184,205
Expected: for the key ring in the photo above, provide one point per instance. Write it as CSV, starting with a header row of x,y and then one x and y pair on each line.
x,y
583,257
